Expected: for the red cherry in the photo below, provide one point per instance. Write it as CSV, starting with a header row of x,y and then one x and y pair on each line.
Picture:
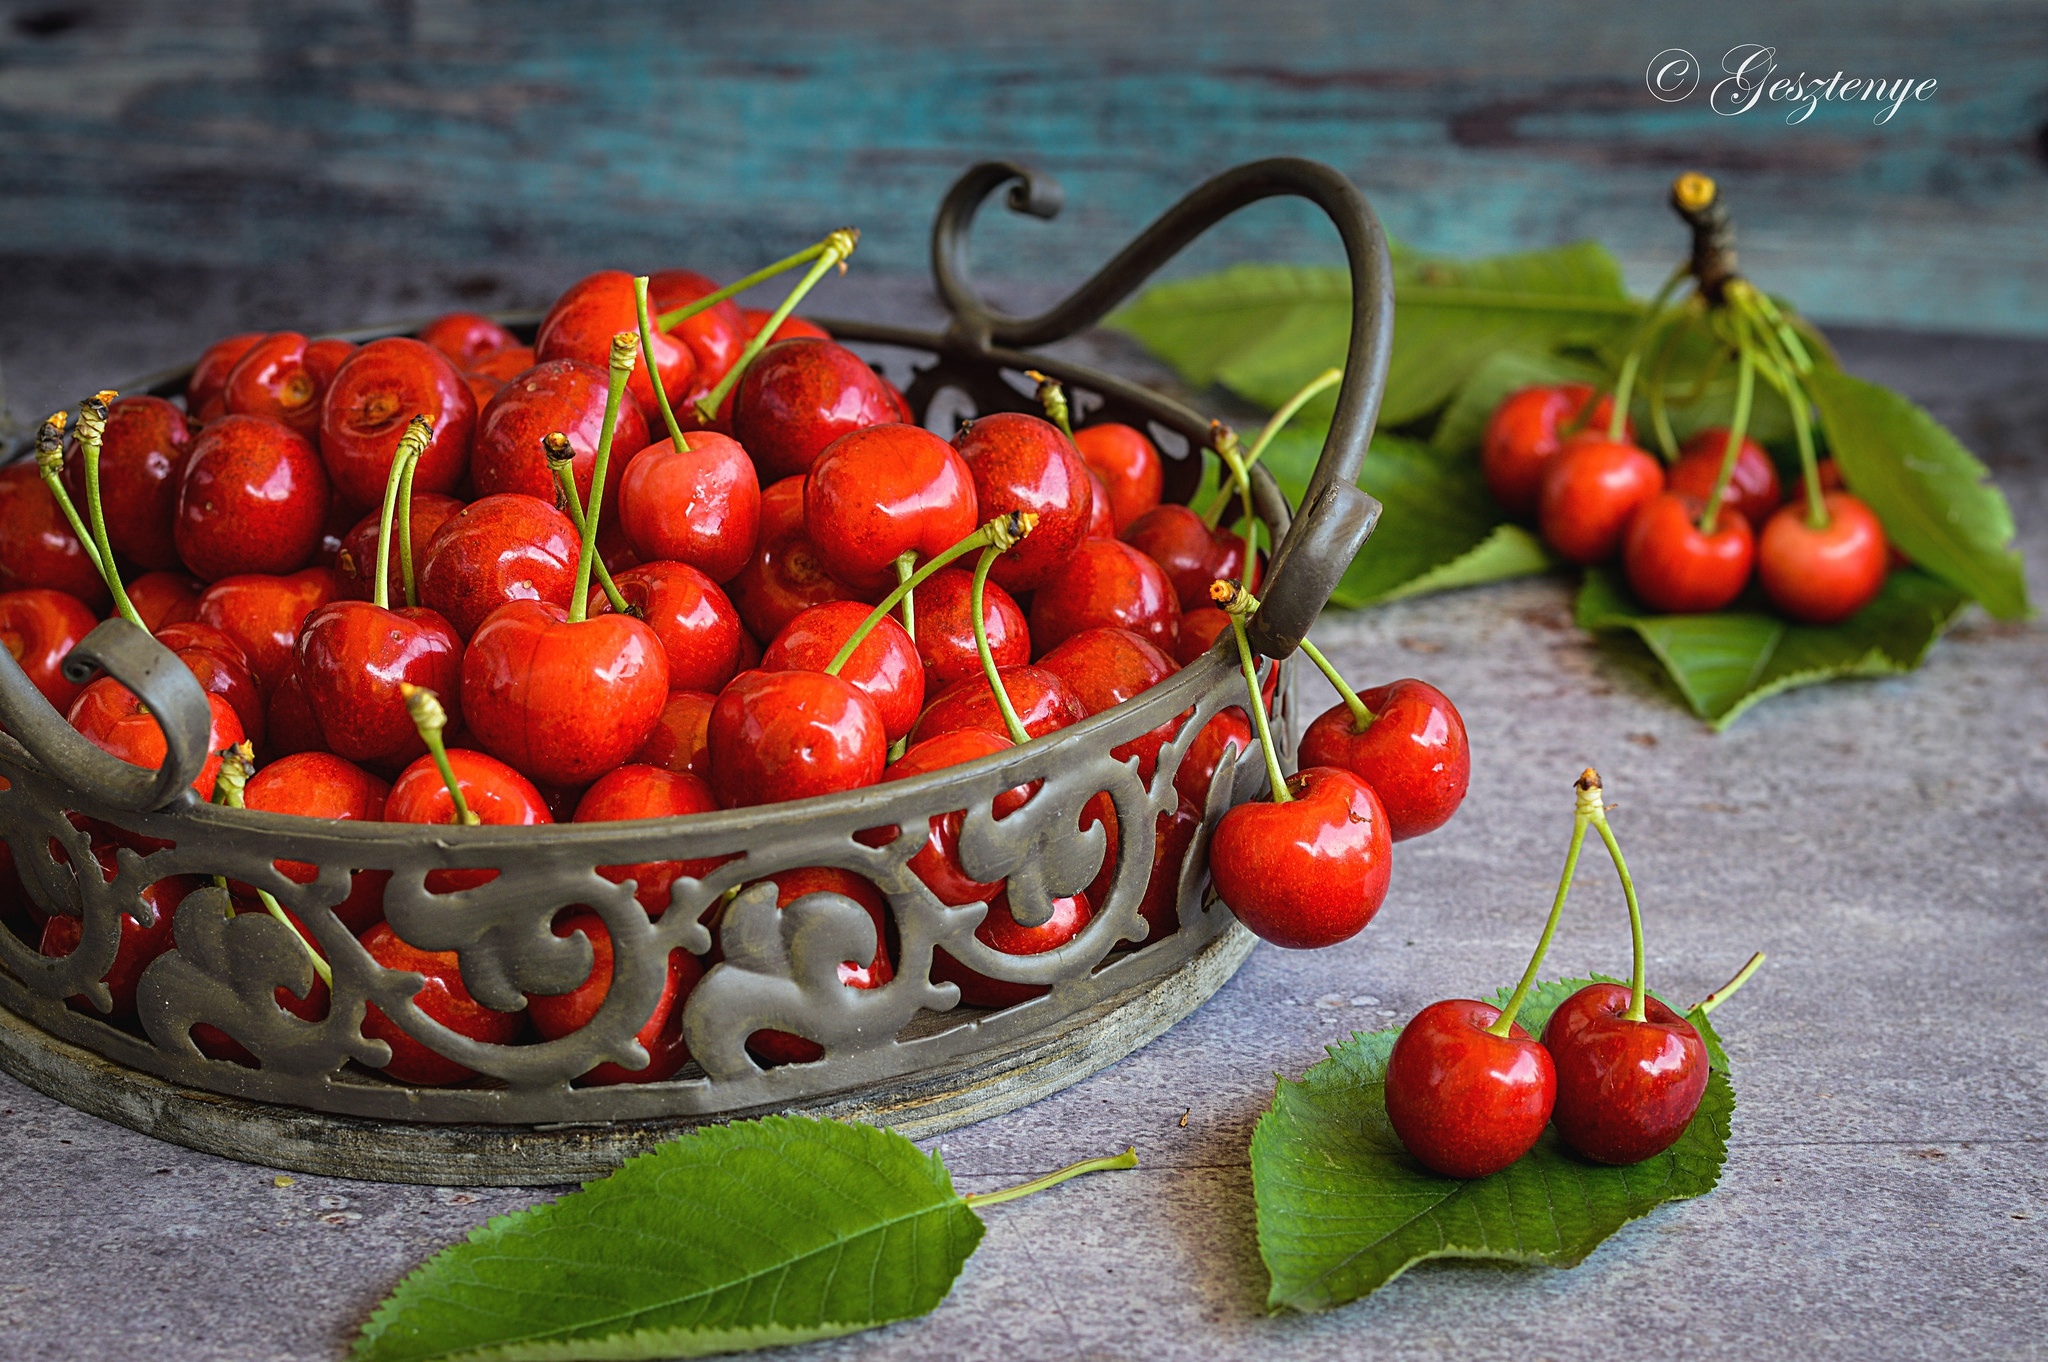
x,y
715,336
1465,1101
679,741
253,499
204,390
1589,491
142,460
1675,566
945,627
1101,522
498,795
1625,1089
563,395
885,666
222,669
597,307
800,395
1752,488
883,492
1229,733
502,366
320,785
1001,931
783,577
1830,474
443,998
354,656
1043,702
781,1047
356,564
754,318
289,723
324,359
700,504
1523,435
375,395
113,719
39,628
1309,872
164,598
637,791
1183,546
262,616
699,630
1106,583
37,547
1414,753
1161,905
558,1015
937,862
1823,576
1128,464
273,380
791,735
1199,630
466,337
1106,667
139,945
562,701
507,547
1024,463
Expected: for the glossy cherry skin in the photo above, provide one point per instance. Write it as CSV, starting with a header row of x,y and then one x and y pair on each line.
x,y
715,336
1625,1090
699,630
39,628
783,576
209,380
1199,630
597,307
1106,583
1161,905
320,785
142,461
508,547
220,668
1023,463
1183,546
1222,739
1310,872
1465,1101
793,326
1589,491
498,795
1128,464
885,666
466,337
781,1047
792,735
113,719
262,615
356,564
1414,753
253,499
1752,488
443,998
139,946
165,598
1001,931
353,657
564,395
700,504
558,1015
1101,520
562,702
273,379
374,396
640,791
1106,667
1043,702
798,396
1675,566
937,862
37,547
289,723
1525,433
881,492
945,627
1823,576
680,739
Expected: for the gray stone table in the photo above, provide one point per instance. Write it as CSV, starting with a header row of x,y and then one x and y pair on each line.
x,y
1886,1193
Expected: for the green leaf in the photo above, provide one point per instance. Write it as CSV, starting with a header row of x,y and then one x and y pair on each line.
x,y
1928,490
1727,661
1343,1209
750,1235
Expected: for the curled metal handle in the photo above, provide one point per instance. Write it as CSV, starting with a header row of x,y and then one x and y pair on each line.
x,y
157,676
1335,517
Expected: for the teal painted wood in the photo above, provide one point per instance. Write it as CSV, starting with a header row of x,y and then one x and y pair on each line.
x,y
283,132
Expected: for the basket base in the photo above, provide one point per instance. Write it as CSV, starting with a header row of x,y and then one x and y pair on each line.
x,y
276,1136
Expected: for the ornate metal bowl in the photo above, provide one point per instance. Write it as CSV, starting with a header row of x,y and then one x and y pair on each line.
x,y
905,1053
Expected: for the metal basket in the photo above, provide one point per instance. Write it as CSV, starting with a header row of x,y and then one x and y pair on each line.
x,y
905,1054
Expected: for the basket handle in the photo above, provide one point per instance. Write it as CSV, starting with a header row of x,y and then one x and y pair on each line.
x,y
1335,516
155,674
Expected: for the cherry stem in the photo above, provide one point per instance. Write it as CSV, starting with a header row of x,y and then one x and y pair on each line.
x,y
424,708
1738,427
1018,734
50,465
406,577
1240,604
1361,717
1588,796
676,316
1782,370
832,252
237,764
562,464
1653,322
1660,415
1727,990
1240,468
906,568
1006,528
1636,987
1109,1163
410,445
92,425
625,351
668,415
1053,398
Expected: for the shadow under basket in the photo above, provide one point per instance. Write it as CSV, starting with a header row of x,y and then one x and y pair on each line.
x,y
306,1093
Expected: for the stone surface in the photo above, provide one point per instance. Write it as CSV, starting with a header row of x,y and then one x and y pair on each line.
x,y
1887,1189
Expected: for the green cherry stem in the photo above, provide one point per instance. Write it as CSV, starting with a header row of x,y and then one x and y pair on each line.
x,y
1636,988
625,352
1727,990
1110,1163
1241,605
1006,530
410,445
832,253
668,414
1738,427
406,577
1782,370
1053,397
1361,717
1654,320
562,465
1660,414
1588,798
1015,726
237,764
1322,382
424,708
906,568
50,466
92,426
676,316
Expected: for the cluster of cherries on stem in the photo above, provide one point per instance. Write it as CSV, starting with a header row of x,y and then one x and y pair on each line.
x,y
1619,1073
1691,536
671,558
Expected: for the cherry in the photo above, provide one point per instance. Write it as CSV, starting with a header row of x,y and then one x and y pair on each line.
x,y
222,669
1220,740
162,598
715,336
375,395
443,998
356,564
696,501
320,785
466,337
1752,489
262,616
1043,702
1674,565
142,460
1525,433
497,369
565,395
945,627
884,665
590,313
205,388
1104,668
1310,870
39,628
639,791
792,735
800,395
1000,931
699,630
1405,739
1101,521
253,499
352,658
679,740
507,547
781,1047
1626,1088
882,496
783,577
456,785
1589,491
937,862
1023,463
1106,583
1199,630
1128,464
275,379
1466,1095
558,1015
1823,575
289,723
1183,546
1161,905
793,327
37,547
113,719
139,945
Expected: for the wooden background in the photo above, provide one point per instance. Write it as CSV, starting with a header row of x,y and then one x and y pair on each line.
x,y
464,138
